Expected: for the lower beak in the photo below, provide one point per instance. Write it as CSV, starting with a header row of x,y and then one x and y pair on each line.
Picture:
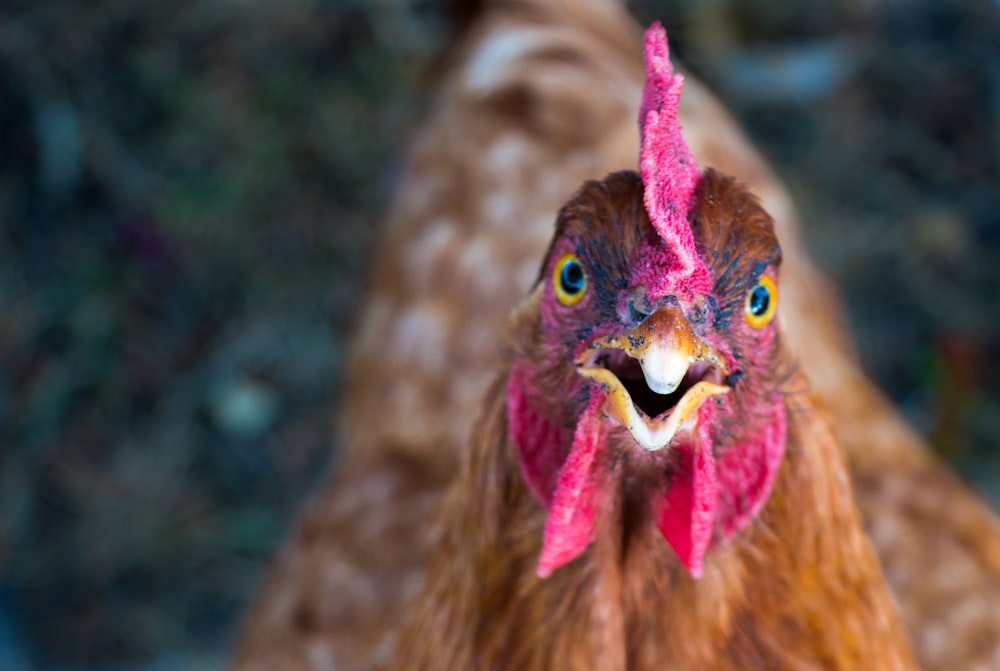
x,y
675,362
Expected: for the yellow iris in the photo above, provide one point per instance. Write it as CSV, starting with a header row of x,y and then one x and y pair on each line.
x,y
761,303
569,280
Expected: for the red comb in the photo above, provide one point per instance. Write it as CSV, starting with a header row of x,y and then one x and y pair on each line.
x,y
668,169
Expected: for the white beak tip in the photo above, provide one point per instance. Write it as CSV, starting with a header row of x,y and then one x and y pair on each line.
x,y
664,369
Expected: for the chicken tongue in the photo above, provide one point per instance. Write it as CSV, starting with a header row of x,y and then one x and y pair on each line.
x,y
665,347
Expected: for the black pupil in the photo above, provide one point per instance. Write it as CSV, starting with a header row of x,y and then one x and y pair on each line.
x,y
571,277
760,298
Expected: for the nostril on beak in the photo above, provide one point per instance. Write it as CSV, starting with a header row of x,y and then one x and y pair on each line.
x,y
638,306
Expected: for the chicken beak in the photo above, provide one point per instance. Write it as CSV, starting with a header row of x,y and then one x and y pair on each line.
x,y
670,354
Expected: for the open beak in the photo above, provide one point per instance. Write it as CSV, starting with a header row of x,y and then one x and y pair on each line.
x,y
656,376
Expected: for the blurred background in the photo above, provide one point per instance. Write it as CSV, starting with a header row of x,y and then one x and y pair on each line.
x,y
189,194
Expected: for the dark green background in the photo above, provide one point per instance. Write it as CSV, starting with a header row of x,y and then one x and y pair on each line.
x,y
188,194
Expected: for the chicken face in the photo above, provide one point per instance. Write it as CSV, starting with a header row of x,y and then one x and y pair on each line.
x,y
654,350
619,363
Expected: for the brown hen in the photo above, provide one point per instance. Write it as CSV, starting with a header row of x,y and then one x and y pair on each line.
x,y
640,407
538,98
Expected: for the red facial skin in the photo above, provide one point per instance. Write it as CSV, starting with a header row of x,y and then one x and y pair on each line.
x,y
714,478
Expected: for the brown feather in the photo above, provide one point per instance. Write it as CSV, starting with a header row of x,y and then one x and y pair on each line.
x,y
496,158
799,588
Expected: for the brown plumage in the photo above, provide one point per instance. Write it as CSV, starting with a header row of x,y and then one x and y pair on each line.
x,y
496,158
799,587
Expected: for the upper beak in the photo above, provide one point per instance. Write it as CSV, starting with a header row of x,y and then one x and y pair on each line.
x,y
670,355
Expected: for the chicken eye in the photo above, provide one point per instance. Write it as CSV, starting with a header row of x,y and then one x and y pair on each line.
x,y
761,303
569,280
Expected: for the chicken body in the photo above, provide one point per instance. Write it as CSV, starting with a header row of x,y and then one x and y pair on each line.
x,y
797,587
537,100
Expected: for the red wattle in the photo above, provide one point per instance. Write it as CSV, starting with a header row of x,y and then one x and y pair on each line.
x,y
569,527
687,513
